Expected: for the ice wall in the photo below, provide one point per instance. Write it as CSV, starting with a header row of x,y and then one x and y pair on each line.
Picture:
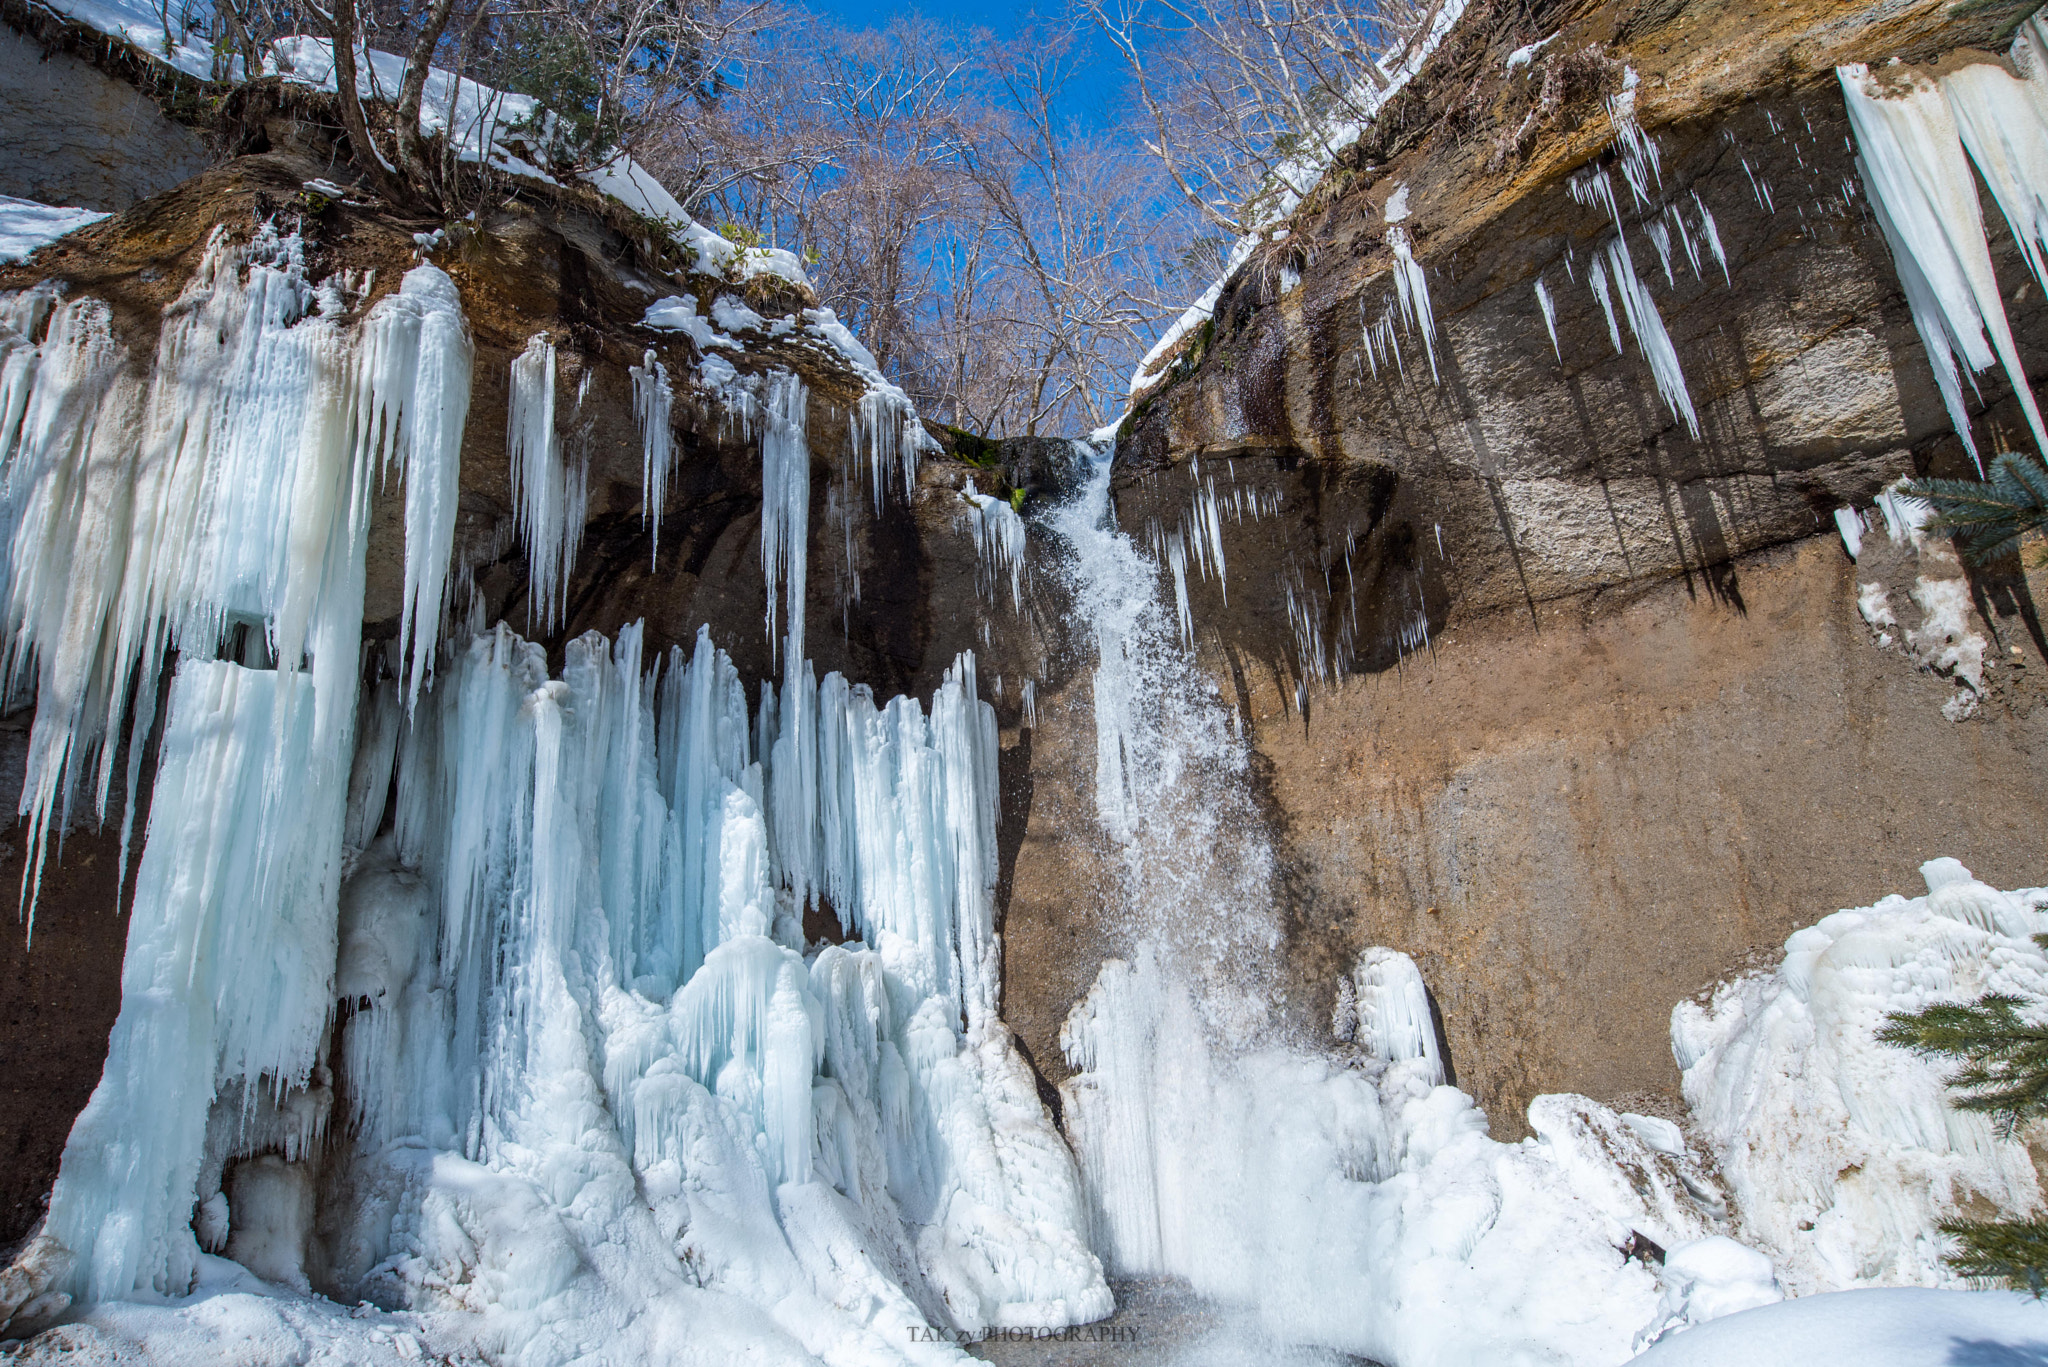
x,y
1842,1152
500,1001
615,1018
215,505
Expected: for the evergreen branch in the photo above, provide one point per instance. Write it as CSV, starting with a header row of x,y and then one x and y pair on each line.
x,y
2005,1059
2011,1252
1989,517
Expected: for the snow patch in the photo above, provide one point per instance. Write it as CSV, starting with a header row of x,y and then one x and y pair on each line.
x,y
26,226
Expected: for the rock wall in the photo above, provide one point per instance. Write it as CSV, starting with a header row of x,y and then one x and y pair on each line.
x,y
77,136
1568,702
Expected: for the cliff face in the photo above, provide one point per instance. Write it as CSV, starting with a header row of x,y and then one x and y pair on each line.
x,y
1570,702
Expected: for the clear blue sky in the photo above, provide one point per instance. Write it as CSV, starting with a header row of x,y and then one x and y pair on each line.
x,y
1088,98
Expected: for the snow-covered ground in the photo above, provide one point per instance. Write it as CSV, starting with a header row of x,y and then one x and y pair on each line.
x,y
1898,1327
26,225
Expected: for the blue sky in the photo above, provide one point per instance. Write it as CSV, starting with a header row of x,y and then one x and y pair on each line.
x,y
1088,97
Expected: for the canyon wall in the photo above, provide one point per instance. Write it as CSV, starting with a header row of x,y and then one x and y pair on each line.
x,y
1568,700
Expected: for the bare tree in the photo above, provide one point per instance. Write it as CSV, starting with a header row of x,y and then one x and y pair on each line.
x,y
1239,93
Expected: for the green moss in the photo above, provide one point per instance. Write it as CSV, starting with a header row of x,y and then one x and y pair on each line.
x,y
978,451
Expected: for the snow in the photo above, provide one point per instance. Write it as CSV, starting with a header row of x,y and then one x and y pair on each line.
x,y
486,125
1706,1279
1524,55
1294,179
1903,1327
678,313
142,24
26,226
1843,1153
1911,157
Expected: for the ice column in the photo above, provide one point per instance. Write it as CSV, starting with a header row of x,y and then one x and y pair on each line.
x,y
551,496
653,402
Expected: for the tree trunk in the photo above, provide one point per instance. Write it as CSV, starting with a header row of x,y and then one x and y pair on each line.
x,y
412,157
342,32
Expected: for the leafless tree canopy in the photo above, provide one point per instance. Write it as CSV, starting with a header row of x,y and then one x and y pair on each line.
x,y
1234,90
1005,265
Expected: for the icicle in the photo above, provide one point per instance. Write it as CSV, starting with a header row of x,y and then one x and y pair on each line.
x,y
1177,561
1639,159
998,544
416,364
1713,236
1549,317
1031,703
1412,287
786,505
2004,124
1597,276
551,497
1648,326
653,402
1912,161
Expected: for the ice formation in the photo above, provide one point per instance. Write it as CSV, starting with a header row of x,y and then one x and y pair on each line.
x,y
998,544
653,404
550,487
1345,1198
1842,1152
216,504
1911,131
1342,1196
506,970
1412,289
1926,571
1543,301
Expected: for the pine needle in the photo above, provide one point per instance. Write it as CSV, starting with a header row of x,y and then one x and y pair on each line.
x,y
1989,517
2011,1252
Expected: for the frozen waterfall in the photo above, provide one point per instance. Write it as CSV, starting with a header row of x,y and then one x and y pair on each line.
x,y
1324,1186
463,985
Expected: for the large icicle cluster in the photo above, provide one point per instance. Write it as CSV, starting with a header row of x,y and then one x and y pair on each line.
x,y
216,505
1911,134
1842,1152
550,487
576,971
501,976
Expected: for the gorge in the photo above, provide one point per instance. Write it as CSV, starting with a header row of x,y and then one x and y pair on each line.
x,y
564,821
